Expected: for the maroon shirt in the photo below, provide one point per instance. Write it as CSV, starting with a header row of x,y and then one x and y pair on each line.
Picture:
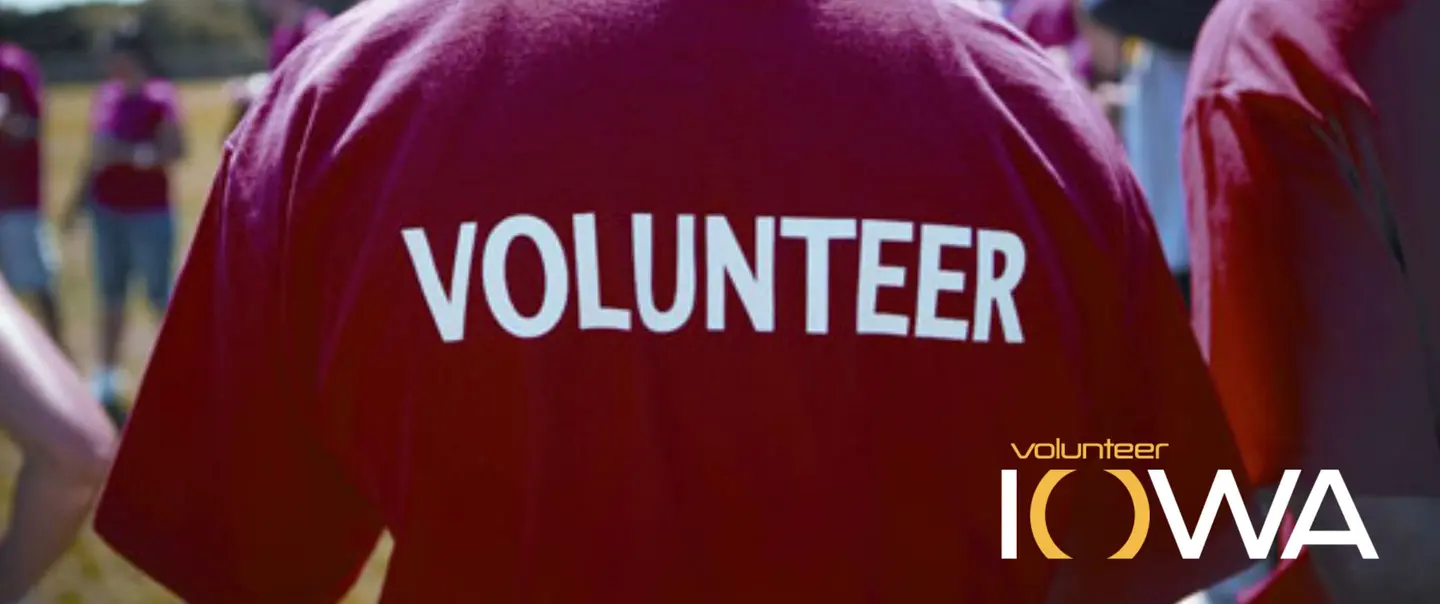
x,y
1310,137
1310,140
286,37
663,301
133,117
20,176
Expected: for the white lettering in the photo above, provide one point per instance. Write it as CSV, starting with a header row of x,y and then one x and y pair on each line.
x,y
873,276
497,287
1008,499
998,266
755,288
1224,487
593,314
933,280
643,242
1355,533
447,309
998,292
817,233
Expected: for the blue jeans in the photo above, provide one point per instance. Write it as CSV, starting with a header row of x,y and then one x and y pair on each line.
x,y
27,254
131,244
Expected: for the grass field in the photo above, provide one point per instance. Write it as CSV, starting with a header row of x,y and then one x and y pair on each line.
x,y
91,573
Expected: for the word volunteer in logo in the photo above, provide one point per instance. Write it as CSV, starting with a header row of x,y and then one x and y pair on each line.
x,y
1191,543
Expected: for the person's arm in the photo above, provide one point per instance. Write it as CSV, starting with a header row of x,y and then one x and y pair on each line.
x,y
222,489
65,439
1248,310
169,143
167,147
17,124
164,148
19,109
104,151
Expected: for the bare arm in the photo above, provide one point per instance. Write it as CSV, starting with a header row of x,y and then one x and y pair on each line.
x,y
66,441
104,151
165,149
169,144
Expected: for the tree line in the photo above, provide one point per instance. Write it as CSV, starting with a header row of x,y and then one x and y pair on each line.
x,y
171,24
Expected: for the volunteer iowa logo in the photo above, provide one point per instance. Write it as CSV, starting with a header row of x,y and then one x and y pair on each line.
x,y
1190,542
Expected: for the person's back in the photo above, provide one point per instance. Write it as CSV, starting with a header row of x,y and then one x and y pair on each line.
x,y
1311,134
435,289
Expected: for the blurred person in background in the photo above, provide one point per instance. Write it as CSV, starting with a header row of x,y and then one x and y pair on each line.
x,y
741,401
66,443
293,21
1312,140
137,137
1153,102
27,250
1053,25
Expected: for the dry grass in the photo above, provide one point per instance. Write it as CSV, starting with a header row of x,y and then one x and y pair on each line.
x,y
91,573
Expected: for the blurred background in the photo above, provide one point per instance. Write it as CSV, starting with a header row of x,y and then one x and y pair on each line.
x,y
200,43
195,39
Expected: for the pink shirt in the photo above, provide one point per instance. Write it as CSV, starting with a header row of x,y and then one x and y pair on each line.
x,y
21,84
133,117
286,37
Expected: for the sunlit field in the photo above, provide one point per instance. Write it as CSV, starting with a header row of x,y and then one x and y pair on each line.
x,y
91,572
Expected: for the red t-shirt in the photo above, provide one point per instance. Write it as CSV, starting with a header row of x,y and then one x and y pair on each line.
x,y
662,301
286,37
133,117
1309,140
20,84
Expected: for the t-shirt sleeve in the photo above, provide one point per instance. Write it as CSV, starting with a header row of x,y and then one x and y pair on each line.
x,y
222,490
1246,297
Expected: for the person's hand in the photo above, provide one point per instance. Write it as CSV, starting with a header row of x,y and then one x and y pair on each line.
x,y
108,151
144,156
14,124
19,126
